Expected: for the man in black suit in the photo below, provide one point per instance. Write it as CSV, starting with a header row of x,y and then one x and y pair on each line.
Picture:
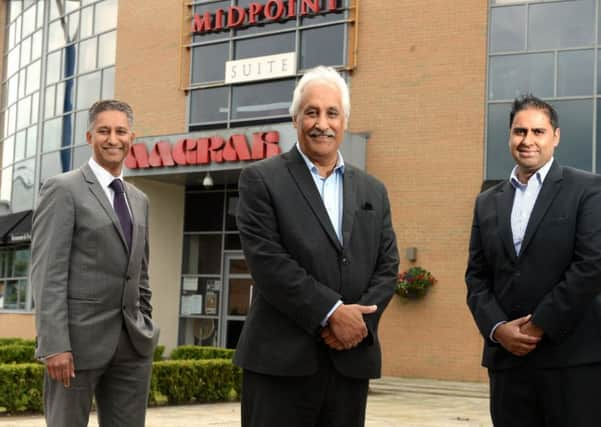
x,y
534,281
318,238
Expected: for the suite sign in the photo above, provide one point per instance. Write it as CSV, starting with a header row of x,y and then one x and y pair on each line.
x,y
260,68
203,151
258,13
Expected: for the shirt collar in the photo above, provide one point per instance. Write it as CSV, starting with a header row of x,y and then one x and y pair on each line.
x,y
540,175
339,162
102,175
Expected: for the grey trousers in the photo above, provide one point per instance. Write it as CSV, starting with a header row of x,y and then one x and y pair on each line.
x,y
120,388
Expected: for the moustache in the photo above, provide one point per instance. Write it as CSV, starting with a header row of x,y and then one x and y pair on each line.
x,y
317,133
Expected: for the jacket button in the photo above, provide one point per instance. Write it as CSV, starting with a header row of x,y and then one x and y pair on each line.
x,y
124,307
345,261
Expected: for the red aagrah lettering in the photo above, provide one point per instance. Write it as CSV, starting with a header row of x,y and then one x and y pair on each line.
x,y
201,151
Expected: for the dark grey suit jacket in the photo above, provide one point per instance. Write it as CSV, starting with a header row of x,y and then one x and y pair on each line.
x,y
87,284
556,277
301,270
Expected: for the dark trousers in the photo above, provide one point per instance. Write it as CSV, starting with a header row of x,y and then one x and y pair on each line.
x,y
120,388
561,397
325,399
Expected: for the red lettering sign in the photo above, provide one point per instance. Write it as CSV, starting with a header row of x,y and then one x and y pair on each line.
x,y
202,151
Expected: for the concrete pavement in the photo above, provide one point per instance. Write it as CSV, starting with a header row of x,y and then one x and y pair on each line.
x,y
392,402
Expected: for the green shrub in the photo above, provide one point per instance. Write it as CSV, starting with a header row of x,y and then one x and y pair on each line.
x,y
195,352
17,353
158,353
21,387
194,381
13,341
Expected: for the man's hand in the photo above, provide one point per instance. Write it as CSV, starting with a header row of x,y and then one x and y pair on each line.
x,y
347,324
531,329
516,341
330,339
61,368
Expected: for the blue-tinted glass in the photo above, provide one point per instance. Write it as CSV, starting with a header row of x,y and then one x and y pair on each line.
x,y
262,46
265,99
513,75
576,125
322,46
208,62
498,159
208,105
575,73
561,24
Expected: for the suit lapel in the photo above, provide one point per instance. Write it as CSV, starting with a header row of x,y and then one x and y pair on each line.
x,y
504,204
547,194
349,204
100,195
306,185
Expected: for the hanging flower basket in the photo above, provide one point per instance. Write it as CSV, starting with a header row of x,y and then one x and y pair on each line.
x,y
414,283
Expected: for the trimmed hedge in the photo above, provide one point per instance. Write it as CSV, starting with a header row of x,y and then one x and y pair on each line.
x,y
158,353
17,353
173,381
13,341
195,352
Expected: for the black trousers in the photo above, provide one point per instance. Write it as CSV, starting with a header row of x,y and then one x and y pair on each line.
x,y
560,397
325,399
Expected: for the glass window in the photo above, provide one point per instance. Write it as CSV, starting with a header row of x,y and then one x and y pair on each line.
x,y
64,96
239,296
232,206
108,83
262,46
87,22
31,142
81,126
208,62
8,150
14,294
56,35
204,211
13,85
13,61
24,112
202,254
87,55
106,49
575,73
36,45
561,24
322,46
256,100
54,163
11,120
106,16
23,186
6,183
50,102
33,77
211,8
20,143
232,242
328,17
598,159
499,161
53,68
35,107
81,155
88,90
266,25
209,105
513,75
73,26
29,21
21,263
22,80
52,134
25,51
576,123
203,332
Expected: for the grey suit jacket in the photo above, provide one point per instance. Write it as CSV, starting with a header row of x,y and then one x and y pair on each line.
x,y
87,284
301,269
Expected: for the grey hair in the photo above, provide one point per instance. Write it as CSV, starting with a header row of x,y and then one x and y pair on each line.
x,y
109,105
321,74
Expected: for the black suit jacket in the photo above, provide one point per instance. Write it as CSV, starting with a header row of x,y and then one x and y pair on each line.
x,y
301,270
556,277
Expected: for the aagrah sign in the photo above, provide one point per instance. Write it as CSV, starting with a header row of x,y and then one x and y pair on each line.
x,y
258,13
202,151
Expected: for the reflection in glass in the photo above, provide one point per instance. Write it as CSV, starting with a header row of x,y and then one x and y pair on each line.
x,y
202,254
575,73
322,46
498,159
274,100
561,24
208,62
513,75
87,23
56,35
15,294
23,186
576,123
21,262
32,134
239,297
208,105
199,332
53,67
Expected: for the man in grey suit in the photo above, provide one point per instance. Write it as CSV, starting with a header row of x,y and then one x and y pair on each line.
x,y
90,280
318,238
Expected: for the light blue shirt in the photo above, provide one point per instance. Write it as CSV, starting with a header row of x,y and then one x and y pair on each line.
x,y
331,190
523,202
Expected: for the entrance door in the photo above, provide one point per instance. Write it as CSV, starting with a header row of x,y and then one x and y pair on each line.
x,y
237,296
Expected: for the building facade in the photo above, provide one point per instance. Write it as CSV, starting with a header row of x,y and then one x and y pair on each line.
x,y
210,83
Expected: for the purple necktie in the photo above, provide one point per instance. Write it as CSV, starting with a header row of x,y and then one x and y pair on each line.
x,y
121,210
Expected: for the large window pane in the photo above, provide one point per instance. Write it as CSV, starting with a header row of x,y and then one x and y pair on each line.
x,y
108,83
81,155
211,8
324,5
208,62
498,159
87,22
202,254
87,55
208,105
106,49
106,15
265,99
8,150
53,164
54,66
52,134
14,295
33,77
575,73
20,145
266,25
31,141
513,75
576,124
25,51
56,35
322,46
561,24
204,211
23,186
262,46
88,90
36,45
24,112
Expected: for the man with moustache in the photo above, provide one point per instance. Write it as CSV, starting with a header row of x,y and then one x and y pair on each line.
x,y
89,276
534,281
317,235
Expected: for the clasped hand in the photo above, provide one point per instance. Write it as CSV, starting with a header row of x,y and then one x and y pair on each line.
x,y
519,336
346,327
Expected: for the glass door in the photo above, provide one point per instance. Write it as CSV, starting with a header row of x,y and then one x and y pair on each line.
x,y
237,294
